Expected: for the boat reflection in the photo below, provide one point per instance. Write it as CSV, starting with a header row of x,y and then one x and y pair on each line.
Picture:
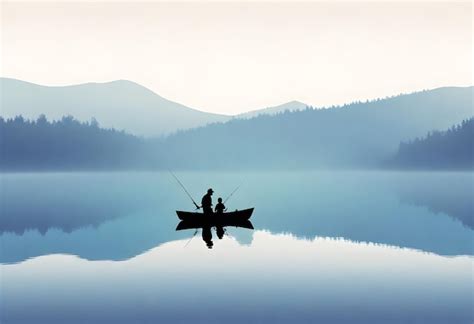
x,y
206,225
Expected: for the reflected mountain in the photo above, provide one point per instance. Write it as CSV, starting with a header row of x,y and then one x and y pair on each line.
x,y
278,279
118,239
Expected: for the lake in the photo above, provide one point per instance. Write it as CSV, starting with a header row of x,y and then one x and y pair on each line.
x,y
329,247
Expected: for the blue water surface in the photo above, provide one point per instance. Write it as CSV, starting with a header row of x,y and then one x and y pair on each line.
x,y
329,247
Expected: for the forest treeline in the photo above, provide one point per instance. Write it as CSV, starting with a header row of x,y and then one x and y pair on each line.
x,y
357,135
65,144
68,144
450,149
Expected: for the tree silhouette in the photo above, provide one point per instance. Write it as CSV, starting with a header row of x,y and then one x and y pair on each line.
x,y
451,149
66,144
356,135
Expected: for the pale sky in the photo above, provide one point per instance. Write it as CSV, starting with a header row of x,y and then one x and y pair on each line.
x,y
231,57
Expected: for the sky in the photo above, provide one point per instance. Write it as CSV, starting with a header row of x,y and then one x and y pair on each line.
x,y
232,57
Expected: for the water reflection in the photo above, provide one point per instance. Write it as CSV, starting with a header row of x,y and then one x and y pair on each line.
x,y
69,201
206,227
278,278
446,193
116,216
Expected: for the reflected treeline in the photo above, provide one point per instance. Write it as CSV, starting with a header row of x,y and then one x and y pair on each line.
x,y
66,201
20,220
450,194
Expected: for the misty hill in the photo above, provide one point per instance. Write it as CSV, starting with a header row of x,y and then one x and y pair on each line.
x,y
360,134
289,106
122,105
451,149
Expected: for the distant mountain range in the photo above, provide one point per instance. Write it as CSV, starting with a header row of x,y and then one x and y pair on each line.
x,y
357,135
123,105
289,106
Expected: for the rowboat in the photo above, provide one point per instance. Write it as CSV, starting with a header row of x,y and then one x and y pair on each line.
x,y
233,216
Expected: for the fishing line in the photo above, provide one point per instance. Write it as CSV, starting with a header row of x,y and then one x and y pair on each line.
x,y
232,193
186,191
191,238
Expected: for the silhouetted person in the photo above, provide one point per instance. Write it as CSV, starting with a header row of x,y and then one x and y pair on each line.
x,y
207,236
206,202
220,206
220,232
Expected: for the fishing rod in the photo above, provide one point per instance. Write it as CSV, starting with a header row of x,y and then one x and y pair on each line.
x,y
191,238
184,188
231,194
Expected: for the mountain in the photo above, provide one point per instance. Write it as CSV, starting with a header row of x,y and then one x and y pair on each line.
x,y
450,149
357,135
289,106
123,105
361,134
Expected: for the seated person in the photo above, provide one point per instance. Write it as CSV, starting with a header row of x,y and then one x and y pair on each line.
x,y
220,206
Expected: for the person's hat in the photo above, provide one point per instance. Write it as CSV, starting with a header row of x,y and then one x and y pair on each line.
x,y
210,190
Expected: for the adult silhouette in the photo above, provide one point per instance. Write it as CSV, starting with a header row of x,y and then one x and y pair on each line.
x,y
206,202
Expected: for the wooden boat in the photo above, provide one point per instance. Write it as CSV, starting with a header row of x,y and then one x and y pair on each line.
x,y
195,224
233,216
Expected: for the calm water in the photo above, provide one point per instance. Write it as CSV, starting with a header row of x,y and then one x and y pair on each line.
x,y
327,247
